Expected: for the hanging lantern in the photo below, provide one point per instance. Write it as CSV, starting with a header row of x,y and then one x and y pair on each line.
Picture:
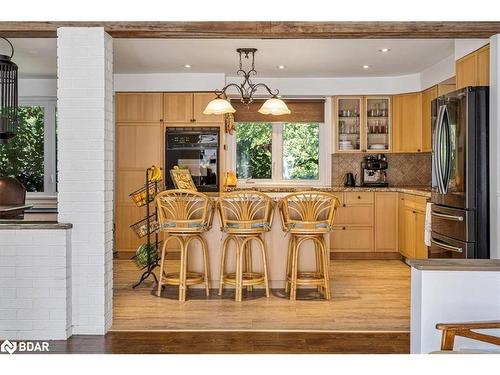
x,y
8,96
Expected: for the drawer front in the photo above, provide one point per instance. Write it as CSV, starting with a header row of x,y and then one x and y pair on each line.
x,y
348,239
454,223
355,198
416,200
354,215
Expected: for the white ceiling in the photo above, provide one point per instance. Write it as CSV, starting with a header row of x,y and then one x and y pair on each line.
x,y
302,58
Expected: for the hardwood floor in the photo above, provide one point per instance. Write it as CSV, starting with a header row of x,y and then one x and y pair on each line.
x,y
235,342
368,296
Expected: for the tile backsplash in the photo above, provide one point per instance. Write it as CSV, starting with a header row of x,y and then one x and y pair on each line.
x,y
403,170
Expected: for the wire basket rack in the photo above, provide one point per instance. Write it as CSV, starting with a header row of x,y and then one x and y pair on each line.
x,y
141,227
142,196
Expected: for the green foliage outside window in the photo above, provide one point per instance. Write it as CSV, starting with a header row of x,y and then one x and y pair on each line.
x,y
301,151
253,150
22,157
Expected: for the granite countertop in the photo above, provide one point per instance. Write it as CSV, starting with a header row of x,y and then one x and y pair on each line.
x,y
30,224
455,264
415,190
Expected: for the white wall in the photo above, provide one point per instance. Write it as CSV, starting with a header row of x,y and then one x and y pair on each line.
x,y
85,166
495,146
169,82
35,284
447,297
37,87
465,46
438,72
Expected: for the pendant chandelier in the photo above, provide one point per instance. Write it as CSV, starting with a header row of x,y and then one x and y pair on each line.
x,y
8,96
220,105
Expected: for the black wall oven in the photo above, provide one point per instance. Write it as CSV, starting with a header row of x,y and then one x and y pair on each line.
x,y
196,149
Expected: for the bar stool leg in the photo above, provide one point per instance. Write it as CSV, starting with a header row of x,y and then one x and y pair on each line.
x,y
326,268
248,261
222,263
295,251
289,264
182,272
205,264
163,249
239,272
319,262
264,262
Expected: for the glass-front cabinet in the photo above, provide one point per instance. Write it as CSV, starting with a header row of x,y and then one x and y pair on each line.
x,y
378,123
348,114
362,123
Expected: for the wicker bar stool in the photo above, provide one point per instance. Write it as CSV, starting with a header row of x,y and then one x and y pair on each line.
x,y
184,215
245,216
308,216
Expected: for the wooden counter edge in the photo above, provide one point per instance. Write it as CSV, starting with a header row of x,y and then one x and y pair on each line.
x,y
454,264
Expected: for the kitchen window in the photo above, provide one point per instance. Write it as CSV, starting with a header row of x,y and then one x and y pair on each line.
x,y
31,155
280,153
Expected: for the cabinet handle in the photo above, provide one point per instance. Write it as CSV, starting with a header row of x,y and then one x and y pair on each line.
x,y
418,150
343,205
343,228
359,197
192,120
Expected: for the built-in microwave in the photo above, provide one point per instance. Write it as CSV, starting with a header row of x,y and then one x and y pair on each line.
x,y
196,149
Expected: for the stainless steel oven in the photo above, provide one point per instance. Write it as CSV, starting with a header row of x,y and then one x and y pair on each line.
x,y
196,149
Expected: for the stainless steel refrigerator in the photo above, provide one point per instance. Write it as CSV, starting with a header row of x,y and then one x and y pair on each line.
x,y
460,175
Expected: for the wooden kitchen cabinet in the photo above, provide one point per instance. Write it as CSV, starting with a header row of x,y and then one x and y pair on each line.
x,y
386,222
138,107
352,239
427,97
474,68
407,122
412,224
187,109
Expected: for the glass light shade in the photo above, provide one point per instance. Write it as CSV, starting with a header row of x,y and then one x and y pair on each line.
x,y
275,107
219,106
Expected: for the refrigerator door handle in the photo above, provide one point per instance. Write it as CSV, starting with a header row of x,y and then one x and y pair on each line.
x,y
446,246
448,217
447,168
437,149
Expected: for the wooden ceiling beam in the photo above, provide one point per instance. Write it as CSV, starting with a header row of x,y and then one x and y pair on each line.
x,y
263,29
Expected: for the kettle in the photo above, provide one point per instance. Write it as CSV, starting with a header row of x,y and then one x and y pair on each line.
x,y
350,180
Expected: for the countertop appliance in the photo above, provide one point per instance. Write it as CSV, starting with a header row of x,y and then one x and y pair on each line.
x,y
197,149
374,171
460,175
12,199
349,180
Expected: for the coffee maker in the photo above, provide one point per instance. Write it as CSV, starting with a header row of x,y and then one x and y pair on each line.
x,y
374,171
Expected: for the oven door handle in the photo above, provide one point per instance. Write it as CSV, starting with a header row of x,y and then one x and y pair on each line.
x,y
446,246
448,217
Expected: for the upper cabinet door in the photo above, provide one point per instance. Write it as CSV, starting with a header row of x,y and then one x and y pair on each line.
x,y
138,107
483,66
407,123
178,108
466,71
378,123
427,97
200,103
349,131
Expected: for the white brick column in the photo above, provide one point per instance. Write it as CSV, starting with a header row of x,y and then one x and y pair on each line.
x,y
85,162
495,146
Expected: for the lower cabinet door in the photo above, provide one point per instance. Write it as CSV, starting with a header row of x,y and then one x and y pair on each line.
x,y
420,248
351,239
408,248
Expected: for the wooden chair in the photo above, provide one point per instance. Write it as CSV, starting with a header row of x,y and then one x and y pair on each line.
x,y
245,216
451,330
184,215
308,216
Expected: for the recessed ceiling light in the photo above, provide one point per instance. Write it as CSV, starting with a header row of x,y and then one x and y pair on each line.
x,y
384,50
187,66
366,66
281,67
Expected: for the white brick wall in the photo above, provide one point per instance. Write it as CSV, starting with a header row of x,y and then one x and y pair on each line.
x,y
85,169
35,284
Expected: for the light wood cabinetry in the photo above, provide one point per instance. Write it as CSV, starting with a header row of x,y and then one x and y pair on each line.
x,y
474,68
386,222
427,97
407,122
412,226
445,88
187,109
138,107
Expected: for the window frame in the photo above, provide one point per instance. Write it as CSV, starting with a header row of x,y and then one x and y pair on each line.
x,y
48,103
325,151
